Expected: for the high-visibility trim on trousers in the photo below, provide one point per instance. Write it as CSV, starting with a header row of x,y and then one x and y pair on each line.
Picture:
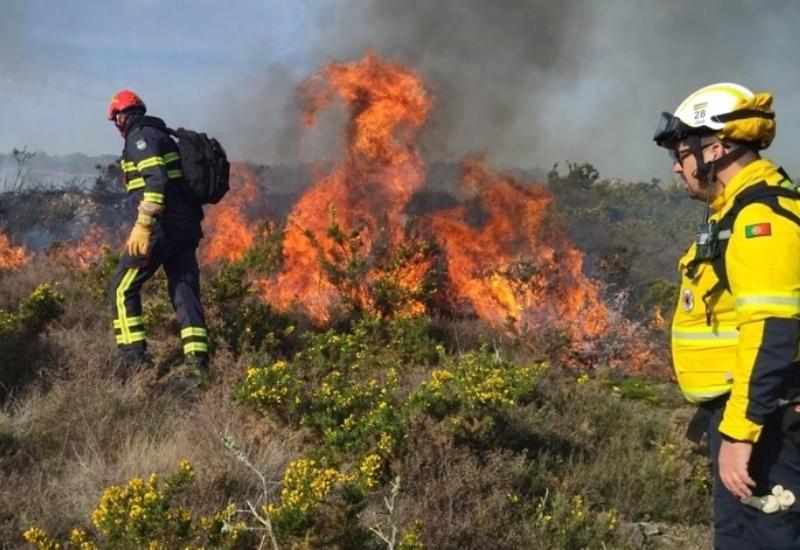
x,y
183,286
195,339
125,336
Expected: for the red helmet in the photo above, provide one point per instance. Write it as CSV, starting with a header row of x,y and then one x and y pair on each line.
x,y
124,99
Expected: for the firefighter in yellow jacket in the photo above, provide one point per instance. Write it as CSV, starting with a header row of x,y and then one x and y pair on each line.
x,y
737,323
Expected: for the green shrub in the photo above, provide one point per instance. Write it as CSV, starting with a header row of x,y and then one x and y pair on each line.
x,y
20,332
142,514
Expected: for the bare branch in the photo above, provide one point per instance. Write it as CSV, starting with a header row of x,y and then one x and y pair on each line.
x,y
24,160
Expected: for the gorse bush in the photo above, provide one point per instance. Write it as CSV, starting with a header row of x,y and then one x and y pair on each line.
x,y
361,391
388,429
34,312
390,279
567,522
235,313
142,514
20,331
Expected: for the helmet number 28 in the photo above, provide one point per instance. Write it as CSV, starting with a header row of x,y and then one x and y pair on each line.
x,y
700,114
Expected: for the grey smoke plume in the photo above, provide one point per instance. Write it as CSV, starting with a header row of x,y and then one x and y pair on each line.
x,y
536,82
13,53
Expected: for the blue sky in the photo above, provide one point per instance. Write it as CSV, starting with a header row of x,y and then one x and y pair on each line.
x,y
528,82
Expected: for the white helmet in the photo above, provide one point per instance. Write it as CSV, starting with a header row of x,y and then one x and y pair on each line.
x,y
729,111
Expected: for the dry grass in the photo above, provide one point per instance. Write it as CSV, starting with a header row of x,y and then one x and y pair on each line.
x,y
76,428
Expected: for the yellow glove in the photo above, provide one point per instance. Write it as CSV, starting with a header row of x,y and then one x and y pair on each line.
x,y
139,240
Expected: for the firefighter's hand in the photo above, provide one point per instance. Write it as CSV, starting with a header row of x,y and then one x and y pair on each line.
x,y
734,456
139,240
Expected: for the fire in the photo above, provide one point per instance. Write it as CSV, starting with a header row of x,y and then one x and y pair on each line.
x,y
88,250
516,268
12,257
366,193
228,233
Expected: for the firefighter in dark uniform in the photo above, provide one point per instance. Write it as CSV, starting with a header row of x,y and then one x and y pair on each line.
x,y
166,233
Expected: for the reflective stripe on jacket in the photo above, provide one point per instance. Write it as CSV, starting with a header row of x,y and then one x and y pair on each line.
x,y
153,173
763,268
703,356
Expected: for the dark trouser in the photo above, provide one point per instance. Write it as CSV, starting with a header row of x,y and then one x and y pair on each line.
x,y
775,461
183,278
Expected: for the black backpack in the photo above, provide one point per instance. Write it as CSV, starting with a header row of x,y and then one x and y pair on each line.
x,y
206,169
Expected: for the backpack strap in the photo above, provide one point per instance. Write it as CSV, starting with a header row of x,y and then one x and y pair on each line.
x,y
761,193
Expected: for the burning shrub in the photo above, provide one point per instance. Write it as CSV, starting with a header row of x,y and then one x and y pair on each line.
x,y
11,257
395,279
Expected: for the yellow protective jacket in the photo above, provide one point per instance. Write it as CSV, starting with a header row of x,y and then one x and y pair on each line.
x,y
744,341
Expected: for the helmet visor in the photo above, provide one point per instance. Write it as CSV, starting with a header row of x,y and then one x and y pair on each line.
x,y
669,130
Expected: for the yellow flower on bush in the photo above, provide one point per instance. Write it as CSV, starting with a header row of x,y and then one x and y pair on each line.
x,y
368,470
385,444
269,386
477,381
141,512
305,485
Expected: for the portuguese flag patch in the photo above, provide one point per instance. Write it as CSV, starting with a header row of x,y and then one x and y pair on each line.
x,y
758,230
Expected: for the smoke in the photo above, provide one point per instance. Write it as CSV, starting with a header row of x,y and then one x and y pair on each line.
x,y
535,82
528,82
14,56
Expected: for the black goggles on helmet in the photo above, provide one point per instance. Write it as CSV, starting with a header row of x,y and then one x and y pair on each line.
x,y
670,129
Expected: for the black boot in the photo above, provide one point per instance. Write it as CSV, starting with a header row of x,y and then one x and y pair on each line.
x,y
131,360
197,365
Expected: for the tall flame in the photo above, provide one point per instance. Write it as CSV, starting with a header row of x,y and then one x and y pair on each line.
x,y
368,190
516,267
12,257
228,233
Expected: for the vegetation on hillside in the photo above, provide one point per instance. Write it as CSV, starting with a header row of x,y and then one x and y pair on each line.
x,y
387,429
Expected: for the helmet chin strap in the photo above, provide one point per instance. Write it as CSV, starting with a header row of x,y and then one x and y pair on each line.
x,y
131,117
707,171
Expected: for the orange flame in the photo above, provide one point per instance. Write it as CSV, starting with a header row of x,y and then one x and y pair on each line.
x,y
12,257
517,267
228,233
367,191
88,250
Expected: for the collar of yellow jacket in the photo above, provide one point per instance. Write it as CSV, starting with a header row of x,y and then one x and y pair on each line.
x,y
755,172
